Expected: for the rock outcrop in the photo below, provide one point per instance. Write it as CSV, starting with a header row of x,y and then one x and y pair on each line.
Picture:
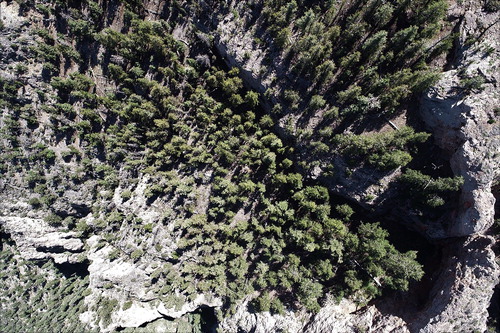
x,y
461,295
343,316
36,240
462,112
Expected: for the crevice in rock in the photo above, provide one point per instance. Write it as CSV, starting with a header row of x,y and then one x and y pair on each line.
x,y
453,53
56,249
494,308
5,239
209,321
77,269
460,256
429,254
145,324
494,311
495,229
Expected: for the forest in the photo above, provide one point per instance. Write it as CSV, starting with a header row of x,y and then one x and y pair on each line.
x,y
120,105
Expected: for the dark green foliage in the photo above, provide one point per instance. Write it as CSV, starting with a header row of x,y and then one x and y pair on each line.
x,y
80,28
8,91
39,298
373,42
390,160
382,150
263,302
316,102
35,202
43,9
429,191
473,84
54,220
267,228
345,211
492,5
126,195
373,254
252,99
75,82
34,177
105,308
308,294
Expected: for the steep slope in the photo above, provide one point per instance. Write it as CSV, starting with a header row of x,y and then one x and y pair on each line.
x,y
137,159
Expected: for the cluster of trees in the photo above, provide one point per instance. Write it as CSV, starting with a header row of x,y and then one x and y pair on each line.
x,y
370,50
44,302
385,151
265,229
429,192
179,119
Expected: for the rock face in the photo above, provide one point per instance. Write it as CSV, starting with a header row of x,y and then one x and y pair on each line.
x,y
466,125
465,119
461,295
333,317
36,240
128,281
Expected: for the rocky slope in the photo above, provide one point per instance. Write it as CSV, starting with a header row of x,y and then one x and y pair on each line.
x,y
460,111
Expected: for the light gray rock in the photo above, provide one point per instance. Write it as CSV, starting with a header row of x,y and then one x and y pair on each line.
x,y
341,317
10,14
36,240
461,296
245,321
465,123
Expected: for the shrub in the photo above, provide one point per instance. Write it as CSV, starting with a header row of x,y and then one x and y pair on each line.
x,y
345,211
83,227
236,99
390,160
48,155
473,84
148,227
317,102
113,255
266,121
33,178
309,292
35,202
80,28
21,69
48,199
263,302
114,218
277,306
292,97
127,305
105,310
252,99
53,220
126,195
136,254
